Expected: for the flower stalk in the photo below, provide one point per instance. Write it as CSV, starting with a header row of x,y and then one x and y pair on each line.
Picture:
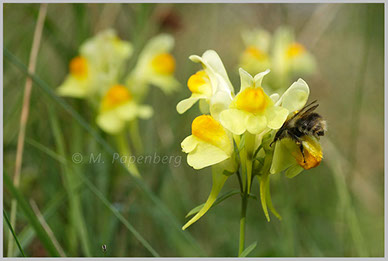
x,y
244,204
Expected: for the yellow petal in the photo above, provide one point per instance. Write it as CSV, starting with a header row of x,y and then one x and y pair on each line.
x,y
207,129
145,111
252,100
79,68
206,154
186,104
296,96
282,158
199,83
127,111
246,79
234,120
73,87
116,95
276,116
255,124
295,49
163,63
110,122
167,83
189,144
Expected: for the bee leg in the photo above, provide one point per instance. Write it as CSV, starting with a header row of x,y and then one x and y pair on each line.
x,y
299,143
301,150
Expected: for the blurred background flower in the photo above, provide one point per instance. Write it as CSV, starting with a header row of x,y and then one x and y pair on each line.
x,y
334,210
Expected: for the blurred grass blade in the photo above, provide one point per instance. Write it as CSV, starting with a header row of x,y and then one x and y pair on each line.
x,y
13,233
159,204
120,217
77,222
102,198
32,219
28,233
248,250
46,227
218,201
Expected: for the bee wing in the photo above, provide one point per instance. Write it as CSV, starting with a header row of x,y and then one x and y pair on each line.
x,y
305,110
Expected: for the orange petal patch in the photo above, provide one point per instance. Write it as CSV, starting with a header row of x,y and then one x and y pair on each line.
x,y
295,49
252,100
163,63
200,83
256,53
206,128
115,96
79,67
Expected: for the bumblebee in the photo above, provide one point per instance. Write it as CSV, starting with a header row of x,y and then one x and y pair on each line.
x,y
305,122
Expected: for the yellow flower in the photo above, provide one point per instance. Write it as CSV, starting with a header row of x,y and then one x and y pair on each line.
x,y
78,82
289,56
209,143
252,109
117,107
256,56
211,85
97,67
155,66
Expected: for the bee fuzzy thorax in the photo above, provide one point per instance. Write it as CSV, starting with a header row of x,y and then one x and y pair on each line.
x,y
304,127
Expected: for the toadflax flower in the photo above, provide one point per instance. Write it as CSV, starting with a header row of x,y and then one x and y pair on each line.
x,y
209,145
281,52
255,57
290,56
252,109
97,67
155,66
211,85
118,107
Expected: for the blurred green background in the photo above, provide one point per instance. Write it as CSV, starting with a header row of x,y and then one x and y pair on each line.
x,y
336,209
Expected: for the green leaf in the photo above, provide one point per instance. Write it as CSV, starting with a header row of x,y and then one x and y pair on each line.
x,y
13,233
218,201
248,250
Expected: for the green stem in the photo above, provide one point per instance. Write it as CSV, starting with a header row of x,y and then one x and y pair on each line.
x,y
135,136
124,150
244,203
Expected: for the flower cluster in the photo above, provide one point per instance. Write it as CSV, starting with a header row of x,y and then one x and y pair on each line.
x,y
235,133
286,57
98,74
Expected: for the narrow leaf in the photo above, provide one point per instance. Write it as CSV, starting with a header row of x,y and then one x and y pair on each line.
x,y
33,220
13,233
249,249
218,201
